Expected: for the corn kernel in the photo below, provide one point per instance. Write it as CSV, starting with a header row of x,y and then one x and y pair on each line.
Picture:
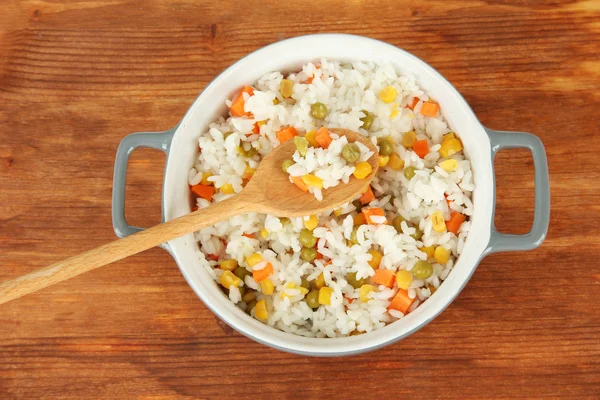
x,y
376,257
408,139
228,265
292,285
228,279
310,136
227,189
319,281
450,147
449,165
205,176
253,259
441,255
429,250
447,136
325,295
363,169
264,234
383,161
260,310
337,212
404,279
396,163
311,223
388,94
313,181
437,218
359,219
364,292
275,101
395,110
267,286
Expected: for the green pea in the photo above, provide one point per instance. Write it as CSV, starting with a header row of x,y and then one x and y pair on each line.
x,y
284,220
301,145
418,234
355,283
305,283
308,254
386,147
318,110
241,272
367,120
351,152
409,172
422,270
312,299
286,164
358,204
307,239
397,223
242,290
353,237
251,305
286,88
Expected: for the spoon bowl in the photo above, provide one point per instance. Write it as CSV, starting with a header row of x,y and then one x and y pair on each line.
x,y
276,195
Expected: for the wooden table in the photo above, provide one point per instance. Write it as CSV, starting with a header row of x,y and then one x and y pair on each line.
x,y
76,77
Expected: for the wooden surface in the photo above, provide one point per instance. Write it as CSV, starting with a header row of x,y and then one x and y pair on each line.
x,y
77,76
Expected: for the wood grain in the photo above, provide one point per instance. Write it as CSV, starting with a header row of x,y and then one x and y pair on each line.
x,y
76,77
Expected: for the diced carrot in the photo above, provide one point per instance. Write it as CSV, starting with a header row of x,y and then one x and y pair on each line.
x,y
430,109
213,257
255,129
401,302
414,103
367,196
310,78
237,106
204,191
323,138
370,212
455,221
359,219
195,208
384,277
421,147
350,300
319,256
250,235
264,273
300,183
286,134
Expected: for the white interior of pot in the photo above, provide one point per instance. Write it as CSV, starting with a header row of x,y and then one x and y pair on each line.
x,y
289,55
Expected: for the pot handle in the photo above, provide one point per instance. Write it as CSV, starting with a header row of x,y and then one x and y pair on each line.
x,y
501,140
153,140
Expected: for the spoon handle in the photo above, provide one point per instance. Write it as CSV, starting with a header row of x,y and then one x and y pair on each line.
x,y
122,248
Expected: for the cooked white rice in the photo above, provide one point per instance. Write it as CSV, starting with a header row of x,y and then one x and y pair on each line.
x,y
346,90
326,164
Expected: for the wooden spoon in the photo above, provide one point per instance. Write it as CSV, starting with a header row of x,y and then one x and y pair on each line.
x,y
269,192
